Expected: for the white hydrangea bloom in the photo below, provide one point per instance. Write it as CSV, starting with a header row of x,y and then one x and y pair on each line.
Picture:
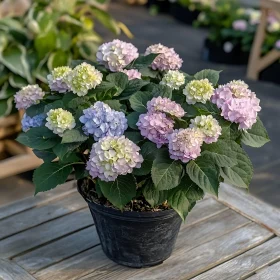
x,y
58,79
173,79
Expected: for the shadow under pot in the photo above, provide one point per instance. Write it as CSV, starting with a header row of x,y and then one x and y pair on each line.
x,y
183,14
135,239
225,53
271,73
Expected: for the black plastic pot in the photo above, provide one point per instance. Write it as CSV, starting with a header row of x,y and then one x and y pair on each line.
x,y
183,14
135,239
163,6
271,73
216,53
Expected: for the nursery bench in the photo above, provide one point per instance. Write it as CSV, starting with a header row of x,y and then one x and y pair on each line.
x,y
52,237
256,62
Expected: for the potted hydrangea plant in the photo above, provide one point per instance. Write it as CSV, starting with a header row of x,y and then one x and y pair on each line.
x,y
144,139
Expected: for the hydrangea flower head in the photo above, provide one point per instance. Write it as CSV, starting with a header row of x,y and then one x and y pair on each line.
x,y
198,91
116,55
277,45
167,59
83,78
112,156
239,88
240,25
208,126
100,120
29,122
57,79
27,96
59,120
165,105
156,127
185,144
132,74
173,79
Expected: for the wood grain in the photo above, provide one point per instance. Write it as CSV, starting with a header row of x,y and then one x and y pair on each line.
x,y
245,264
11,271
39,235
41,214
269,273
251,207
40,198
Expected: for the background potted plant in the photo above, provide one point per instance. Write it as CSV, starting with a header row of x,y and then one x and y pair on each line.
x,y
145,141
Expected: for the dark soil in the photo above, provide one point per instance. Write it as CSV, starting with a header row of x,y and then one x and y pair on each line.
x,y
138,204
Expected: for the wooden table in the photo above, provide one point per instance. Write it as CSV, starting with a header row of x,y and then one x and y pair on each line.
x,y
52,237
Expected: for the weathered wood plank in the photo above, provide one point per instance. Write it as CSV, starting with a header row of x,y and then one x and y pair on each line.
x,y
184,265
251,207
11,271
58,250
40,198
31,238
245,264
41,214
192,235
269,273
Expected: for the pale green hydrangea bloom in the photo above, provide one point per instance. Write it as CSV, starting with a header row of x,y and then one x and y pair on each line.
x,y
59,120
173,79
198,91
58,79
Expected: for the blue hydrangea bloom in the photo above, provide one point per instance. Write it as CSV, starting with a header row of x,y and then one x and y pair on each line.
x,y
100,121
29,122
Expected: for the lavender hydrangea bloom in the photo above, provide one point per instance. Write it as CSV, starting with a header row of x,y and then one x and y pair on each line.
x,y
132,74
100,121
167,59
156,127
240,25
185,144
238,103
27,96
57,79
112,156
29,122
116,55
165,105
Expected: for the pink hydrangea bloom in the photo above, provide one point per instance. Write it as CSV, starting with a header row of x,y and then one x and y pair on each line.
x,y
156,127
185,144
132,74
116,55
165,105
277,44
238,103
240,25
167,60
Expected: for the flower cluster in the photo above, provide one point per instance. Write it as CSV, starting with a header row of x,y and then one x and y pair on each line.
x,y
58,79
173,79
240,25
238,103
112,156
185,144
27,96
198,91
165,105
59,120
29,122
208,126
167,59
132,74
116,55
83,78
100,120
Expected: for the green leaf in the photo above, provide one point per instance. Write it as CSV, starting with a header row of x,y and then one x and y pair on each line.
x,y
230,130
207,109
6,106
80,171
115,105
205,174
159,90
46,156
58,58
50,175
54,105
119,80
73,135
61,150
154,196
138,101
45,43
220,153
166,173
143,61
256,136
134,136
132,119
149,152
211,75
120,191
79,103
35,110
39,138
17,81
132,87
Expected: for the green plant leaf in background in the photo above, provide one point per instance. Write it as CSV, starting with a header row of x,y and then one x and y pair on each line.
x,y
73,135
138,101
211,75
132,119
45,43
153,195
